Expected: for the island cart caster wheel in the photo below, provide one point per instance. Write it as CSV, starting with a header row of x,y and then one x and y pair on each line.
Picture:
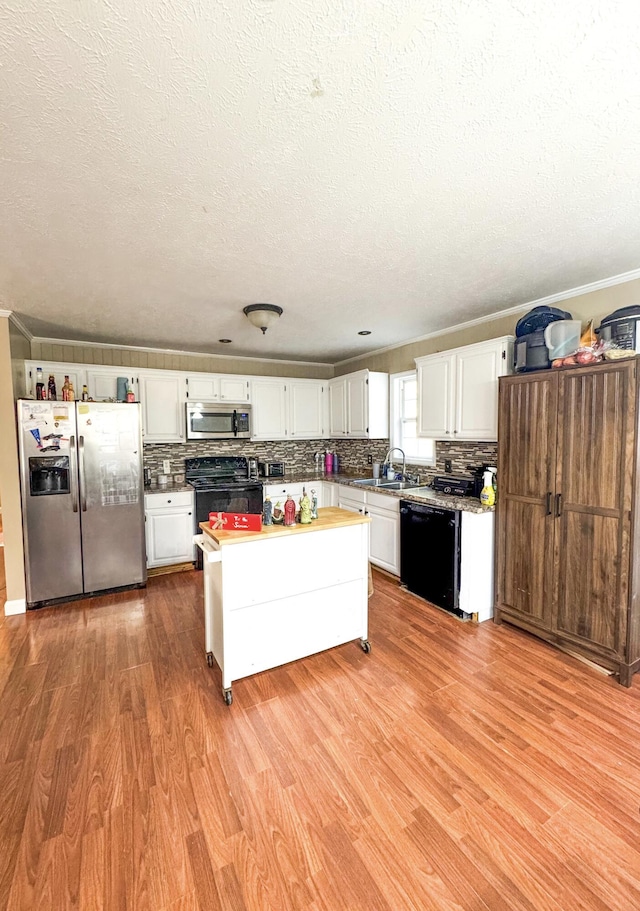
x,y
210,659
365,645
228,696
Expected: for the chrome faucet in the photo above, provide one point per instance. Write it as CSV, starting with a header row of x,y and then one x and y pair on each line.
x,y
387,461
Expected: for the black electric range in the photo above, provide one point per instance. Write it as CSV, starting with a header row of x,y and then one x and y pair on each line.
x,y
222,484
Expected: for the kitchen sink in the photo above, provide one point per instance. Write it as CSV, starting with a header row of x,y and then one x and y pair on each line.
x,y
397,485
372,482
386,485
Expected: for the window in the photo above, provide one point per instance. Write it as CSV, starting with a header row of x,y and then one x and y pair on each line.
x,y
404,420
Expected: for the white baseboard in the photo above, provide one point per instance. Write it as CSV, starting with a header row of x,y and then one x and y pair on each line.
x,y
18,606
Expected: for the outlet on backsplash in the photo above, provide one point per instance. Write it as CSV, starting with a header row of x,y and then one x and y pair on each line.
x,y
447,465
369,459
166,466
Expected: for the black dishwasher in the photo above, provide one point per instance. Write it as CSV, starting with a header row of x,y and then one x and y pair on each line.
x,y
430,553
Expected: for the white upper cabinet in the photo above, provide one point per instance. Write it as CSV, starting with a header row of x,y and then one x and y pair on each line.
x,y
284,409
359,405
306,401
337,407
458,390
269,409
102,382
213,387
162,395
76,373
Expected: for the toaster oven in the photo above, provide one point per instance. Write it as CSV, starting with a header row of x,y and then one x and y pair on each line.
x,y
271,469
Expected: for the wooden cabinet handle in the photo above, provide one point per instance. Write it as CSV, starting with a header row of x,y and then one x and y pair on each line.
x,y
558,505
549,498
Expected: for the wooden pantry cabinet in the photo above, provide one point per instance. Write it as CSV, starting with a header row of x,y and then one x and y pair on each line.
x,y
568,529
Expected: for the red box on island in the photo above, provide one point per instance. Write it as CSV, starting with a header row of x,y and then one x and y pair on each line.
x,y
235,521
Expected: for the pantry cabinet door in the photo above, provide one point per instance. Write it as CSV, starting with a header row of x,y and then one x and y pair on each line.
x,y
593,512
526,485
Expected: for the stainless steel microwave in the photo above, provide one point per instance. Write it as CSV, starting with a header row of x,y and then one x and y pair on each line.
x,y
211,421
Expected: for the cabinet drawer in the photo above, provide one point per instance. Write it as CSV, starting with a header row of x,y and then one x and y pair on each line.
x,y
383,501
162,500
351,493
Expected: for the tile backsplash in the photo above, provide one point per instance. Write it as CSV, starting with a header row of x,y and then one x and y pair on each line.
x,y
299,455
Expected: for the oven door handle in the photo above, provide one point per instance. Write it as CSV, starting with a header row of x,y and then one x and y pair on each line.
x,y
235,423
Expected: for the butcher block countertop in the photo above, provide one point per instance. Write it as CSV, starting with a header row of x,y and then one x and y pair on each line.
x,y
329,517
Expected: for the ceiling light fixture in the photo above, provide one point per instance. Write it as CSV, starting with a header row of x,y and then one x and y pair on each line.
x,y
224,341
365,332
262,315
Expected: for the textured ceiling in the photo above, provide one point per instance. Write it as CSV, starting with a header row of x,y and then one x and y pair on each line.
x,y
393,165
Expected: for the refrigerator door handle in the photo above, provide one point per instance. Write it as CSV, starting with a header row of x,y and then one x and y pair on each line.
x,y
74,473
83,480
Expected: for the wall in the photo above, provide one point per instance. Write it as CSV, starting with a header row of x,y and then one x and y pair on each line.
x,y
593,305
158,360
12,350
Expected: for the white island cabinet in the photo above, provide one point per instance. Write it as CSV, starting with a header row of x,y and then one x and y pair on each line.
x,y
281,594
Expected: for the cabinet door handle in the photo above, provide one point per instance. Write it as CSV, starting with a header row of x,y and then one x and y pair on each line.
x,y
549,498
558,505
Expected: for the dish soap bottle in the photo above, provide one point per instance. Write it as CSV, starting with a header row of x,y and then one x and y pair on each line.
x,y
487,494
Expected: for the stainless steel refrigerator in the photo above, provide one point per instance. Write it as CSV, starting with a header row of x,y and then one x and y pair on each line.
x,y
82,497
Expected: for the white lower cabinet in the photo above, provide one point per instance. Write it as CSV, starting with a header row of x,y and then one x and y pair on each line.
x,y
384,531
169,528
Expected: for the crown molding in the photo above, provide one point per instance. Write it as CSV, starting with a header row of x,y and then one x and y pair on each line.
x,y
511,311
21,326
10,315
175,352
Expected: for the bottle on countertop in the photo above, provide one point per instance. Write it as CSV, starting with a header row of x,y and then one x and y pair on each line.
x,y
487,494
51,388
328,461
85,393
335,462
39,385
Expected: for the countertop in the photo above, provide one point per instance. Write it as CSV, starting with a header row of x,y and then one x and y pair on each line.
x,y
169,488
329,517
431,497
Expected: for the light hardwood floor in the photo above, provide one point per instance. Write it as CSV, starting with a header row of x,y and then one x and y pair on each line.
x,y
455,767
